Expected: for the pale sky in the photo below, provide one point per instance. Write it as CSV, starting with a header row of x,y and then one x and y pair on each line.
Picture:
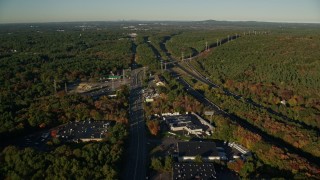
x,y
17,11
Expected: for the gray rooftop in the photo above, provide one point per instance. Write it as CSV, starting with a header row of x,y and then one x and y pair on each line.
x,y
83,130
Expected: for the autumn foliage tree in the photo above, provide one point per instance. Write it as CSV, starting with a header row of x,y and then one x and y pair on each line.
x,y
236,165
153,126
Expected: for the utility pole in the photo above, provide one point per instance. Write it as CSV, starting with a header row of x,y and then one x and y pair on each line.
x,y
55,86
207,46
136,79
65,87
165,66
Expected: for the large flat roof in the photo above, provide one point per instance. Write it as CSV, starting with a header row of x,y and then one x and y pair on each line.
x,y
83,130
194,148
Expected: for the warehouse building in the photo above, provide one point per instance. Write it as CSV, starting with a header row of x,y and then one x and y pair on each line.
x,y
188,151
83,131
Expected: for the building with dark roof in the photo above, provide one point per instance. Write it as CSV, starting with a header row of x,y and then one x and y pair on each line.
x,y
203,171
83,131
188,151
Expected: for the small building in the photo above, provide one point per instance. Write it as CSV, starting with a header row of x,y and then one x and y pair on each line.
x,y
112,77
132,35
160,83
150,95
188,151
148,99
239,151
112,95
204,171
170,114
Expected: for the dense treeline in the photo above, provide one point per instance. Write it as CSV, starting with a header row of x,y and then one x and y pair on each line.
x,y
273,161
194,42
72,161
270,161
158,40
302,138
62,55
147,57
270,68
260,82
31,60
53,110
162,164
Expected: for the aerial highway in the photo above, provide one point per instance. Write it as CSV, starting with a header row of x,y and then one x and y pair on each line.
x,y
135,168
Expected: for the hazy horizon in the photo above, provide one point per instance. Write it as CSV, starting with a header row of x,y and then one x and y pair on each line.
x,y
42,11
146,21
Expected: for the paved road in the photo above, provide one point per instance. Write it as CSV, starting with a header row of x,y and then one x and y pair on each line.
x,y
135,168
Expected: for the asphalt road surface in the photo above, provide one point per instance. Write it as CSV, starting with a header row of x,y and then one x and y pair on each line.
x,y
135,168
